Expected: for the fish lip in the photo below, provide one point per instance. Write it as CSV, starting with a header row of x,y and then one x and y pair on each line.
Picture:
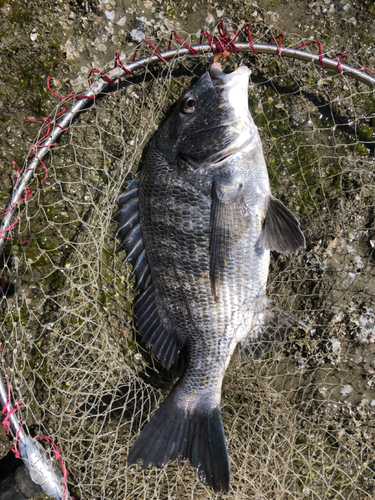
x,y
220,79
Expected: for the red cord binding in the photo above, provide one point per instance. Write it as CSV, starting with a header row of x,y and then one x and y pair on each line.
x,y
174,34
118,62
57,456
157,53
280,40
342,54
319,49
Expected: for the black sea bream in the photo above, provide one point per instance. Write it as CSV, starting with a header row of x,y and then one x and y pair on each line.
x,y
198,224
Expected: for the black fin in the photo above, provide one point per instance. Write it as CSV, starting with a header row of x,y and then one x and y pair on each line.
x,y
152,330
125,217
127,226
195,434
148,318
143,300
134,252
276,325
281,231
126,211
148,281
141,270
131,239
229,218
130,191
163,342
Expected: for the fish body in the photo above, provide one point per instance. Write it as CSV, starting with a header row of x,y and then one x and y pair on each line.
x,y
198,224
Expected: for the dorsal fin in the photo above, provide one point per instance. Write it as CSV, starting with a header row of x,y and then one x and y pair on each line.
x,y
154,331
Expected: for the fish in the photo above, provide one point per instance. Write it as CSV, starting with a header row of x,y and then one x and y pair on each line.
x,y
198,223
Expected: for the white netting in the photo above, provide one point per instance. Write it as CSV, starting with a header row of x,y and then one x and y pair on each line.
x,y
299,422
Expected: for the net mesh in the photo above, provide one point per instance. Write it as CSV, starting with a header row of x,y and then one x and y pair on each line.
x,y
299,421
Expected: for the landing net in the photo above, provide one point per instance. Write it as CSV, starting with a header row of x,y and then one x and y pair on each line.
x,y
299,421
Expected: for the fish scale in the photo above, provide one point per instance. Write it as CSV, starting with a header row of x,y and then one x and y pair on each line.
x,y
183,286
207,224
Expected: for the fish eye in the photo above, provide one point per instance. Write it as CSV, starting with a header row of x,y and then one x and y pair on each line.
x,y
190,105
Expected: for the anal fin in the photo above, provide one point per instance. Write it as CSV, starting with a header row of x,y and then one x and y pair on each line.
x,y
276,325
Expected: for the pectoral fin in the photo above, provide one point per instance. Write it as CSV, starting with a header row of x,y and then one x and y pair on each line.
x,y
229,218
281,231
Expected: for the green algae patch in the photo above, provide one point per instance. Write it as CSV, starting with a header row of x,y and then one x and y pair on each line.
x,y
365,132
371,8
30,82
171,13
174,90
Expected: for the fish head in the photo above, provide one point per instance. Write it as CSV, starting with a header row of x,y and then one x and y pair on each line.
x,y
212,119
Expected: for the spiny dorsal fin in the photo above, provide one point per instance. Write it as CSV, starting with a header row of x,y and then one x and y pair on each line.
x,y
281,231
154,332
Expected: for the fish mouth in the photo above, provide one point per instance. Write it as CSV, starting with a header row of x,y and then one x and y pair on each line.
x,y
221,80
231,128
233,90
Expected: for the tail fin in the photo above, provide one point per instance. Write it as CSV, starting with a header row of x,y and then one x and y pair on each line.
x,y
195,434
